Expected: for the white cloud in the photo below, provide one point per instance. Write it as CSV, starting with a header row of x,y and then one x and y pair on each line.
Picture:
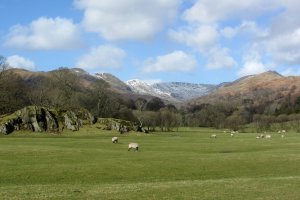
x,y
202,37
208,11
177,61
249,28
44,34
127,19
253,64
285,48
105,56
17,61
251,68
219,58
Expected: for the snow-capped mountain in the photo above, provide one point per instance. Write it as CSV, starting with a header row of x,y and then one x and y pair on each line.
x,y
147,88
185,91
175,91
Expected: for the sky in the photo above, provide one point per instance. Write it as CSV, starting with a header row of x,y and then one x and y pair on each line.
x,y
197,41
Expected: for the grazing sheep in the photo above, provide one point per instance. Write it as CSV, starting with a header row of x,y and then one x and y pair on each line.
x,y
282,136
213,136
114,140
283,131
134,146
279,132
257,137
268,136
231,134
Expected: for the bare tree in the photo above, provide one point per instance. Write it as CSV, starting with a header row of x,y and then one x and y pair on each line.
x,y
12,89
3,66
66,84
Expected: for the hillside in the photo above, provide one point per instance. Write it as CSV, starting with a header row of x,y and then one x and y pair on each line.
x,y
175,92
267,89
114,82
249,87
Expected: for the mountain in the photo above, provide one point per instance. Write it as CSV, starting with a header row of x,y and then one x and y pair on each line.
x,y
114,82
173,91
246,83
268,87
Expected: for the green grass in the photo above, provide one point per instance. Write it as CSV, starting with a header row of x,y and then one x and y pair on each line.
x,y
180,165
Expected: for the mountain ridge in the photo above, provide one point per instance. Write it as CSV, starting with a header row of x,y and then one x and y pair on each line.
x,y
173,91
176,91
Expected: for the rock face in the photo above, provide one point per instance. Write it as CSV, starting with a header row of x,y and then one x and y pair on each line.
x,y
6,128
116,124
86,117
71,121
40,119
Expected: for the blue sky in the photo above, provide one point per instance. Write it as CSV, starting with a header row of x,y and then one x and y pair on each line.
x,y
200,41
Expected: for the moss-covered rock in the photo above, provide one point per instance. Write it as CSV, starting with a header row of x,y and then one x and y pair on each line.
x,y
41,119
116,124
86,117
35,118
71,121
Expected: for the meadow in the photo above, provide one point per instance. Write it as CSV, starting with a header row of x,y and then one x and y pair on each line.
x,y
186,164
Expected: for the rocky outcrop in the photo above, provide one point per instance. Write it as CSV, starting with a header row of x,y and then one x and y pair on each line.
x,y
71,121
86,117
37,119
41,119
122,126
6,128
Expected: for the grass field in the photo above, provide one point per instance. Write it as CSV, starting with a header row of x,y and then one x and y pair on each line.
x,y
180,165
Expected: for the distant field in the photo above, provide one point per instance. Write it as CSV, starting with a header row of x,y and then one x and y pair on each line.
x,y
187,164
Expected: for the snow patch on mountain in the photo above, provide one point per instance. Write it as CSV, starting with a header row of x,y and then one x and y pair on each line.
x,y
176,91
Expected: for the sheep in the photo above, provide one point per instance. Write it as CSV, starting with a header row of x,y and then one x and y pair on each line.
x,y
114,140
134,146
257,137
231,135
268,136
279,132
213,136
282,136
283,131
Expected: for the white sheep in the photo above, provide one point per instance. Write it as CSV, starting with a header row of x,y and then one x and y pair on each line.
x,y
231,134
114,140
213,136
268,136
283,131
282,136
257,137
134,146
